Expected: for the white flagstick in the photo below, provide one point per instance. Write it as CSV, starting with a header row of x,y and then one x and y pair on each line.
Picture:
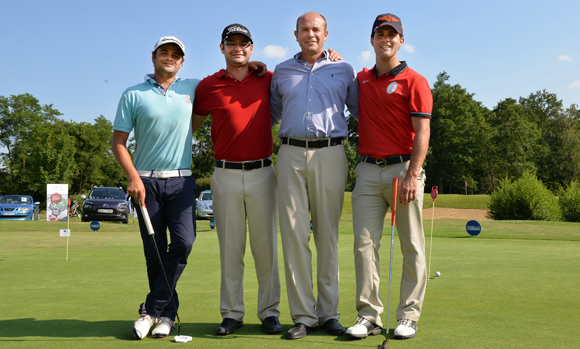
x,y
434,196
67,226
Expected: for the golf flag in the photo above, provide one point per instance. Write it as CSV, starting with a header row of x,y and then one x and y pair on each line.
x,y
65,232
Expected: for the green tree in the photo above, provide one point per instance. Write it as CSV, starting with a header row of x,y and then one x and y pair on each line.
x,y
459,136
50,158
94,160
203,161
545,111
19,114
515,140
351,151
570,140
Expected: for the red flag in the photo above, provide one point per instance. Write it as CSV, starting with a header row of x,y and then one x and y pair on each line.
x,y
434,193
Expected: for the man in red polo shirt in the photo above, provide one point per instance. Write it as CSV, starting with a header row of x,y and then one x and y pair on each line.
x,y
244,182
395,105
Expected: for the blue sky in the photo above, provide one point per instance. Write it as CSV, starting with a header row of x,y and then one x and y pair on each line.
x,y
81,55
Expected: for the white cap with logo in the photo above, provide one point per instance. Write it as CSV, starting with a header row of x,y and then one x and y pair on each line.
x,y
169,40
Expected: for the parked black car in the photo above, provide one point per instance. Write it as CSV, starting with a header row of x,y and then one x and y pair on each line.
x,y
106,204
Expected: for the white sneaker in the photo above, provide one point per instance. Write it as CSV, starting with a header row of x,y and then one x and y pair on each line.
x,y
405,329
143,324
164,326
362,329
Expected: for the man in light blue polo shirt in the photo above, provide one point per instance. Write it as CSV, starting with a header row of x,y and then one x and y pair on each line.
x,y
308,96
159,111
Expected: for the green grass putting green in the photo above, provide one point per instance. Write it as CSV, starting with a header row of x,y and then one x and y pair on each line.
x,y
513,286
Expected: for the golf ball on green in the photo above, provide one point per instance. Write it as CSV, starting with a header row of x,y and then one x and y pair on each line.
x,y
437,274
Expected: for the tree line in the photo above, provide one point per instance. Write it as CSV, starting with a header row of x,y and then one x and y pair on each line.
x,y
37,147
469,143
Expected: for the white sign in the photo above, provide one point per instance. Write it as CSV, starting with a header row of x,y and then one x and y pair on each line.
x,y
56,202
65,232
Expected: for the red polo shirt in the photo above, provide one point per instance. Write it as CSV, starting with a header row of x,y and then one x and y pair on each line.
x,y
241,127
386,105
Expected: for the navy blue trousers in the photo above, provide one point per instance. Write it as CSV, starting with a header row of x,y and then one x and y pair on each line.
x,y
171,205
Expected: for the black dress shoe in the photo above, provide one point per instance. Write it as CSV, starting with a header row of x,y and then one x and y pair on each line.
x,y
271,325
333,328
300,331
228,326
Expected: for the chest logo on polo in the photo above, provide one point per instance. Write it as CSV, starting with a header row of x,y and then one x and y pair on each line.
x,y
187,99
392,87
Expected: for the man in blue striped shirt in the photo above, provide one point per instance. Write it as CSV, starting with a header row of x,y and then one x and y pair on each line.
x,y
308,96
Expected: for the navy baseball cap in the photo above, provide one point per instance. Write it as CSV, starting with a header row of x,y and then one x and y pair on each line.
x,y
388,19
234,29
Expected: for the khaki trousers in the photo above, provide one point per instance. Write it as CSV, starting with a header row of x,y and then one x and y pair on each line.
x,y
371,198
311,180
238,194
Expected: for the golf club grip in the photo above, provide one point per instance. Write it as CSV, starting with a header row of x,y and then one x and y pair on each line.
x,y
147,220
394,201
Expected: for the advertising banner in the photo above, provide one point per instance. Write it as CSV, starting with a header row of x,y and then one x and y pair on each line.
x,y
56,202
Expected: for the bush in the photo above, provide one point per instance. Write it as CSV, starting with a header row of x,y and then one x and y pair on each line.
x,y
203,184
525,199
570,202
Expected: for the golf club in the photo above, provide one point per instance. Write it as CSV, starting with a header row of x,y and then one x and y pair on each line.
x,y
434,196
147,220
393,216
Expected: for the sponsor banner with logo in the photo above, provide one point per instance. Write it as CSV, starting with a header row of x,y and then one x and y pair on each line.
x,y
56,202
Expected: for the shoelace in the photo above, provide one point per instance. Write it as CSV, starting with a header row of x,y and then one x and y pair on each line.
x,y
407,322
168,320
144,316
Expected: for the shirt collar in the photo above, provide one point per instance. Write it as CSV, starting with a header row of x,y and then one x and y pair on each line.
x,y
222,73
298,56
395,71
150,78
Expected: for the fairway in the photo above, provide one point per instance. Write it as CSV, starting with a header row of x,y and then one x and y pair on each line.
x,y
514,286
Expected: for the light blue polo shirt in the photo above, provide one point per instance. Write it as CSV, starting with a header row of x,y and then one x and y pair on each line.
x,y
162,123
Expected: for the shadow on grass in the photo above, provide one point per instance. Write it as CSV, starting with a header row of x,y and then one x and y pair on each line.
x,y
11,330
29,327
255,332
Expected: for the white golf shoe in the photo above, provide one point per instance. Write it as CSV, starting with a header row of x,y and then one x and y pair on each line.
x,y
143,324
362,329
164,326
405,329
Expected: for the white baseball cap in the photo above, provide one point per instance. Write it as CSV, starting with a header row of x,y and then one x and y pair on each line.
x,y
169,40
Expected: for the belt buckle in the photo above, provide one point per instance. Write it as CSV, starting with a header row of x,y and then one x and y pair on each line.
x,y
164,174
381,162
244,165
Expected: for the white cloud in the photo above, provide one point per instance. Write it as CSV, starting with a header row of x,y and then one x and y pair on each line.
x,y
575,84
565,58
408,48
273,51
366,56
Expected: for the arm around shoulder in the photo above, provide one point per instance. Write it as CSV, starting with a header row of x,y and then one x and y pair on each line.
x,y
275,100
